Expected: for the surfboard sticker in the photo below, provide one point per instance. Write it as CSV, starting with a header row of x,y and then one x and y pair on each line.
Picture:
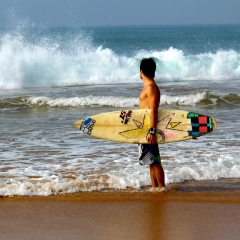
x,y
201,124
87,125
125,116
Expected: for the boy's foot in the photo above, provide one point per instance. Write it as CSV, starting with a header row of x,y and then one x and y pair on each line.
x,y
158,189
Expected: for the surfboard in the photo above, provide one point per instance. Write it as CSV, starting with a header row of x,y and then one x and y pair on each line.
x,y
131,126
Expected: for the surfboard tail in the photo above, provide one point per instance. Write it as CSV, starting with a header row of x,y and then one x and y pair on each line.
x,y
214,122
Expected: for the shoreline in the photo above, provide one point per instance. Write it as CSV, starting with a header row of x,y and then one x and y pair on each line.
x,y
224,186
124,214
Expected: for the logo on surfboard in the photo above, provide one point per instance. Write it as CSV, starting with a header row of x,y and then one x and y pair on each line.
x,y
87,125
125,115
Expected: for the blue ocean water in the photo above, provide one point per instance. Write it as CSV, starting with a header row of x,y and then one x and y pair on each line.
x,y
52,77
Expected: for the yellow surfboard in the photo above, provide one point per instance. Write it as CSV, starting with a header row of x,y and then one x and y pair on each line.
x,y
131,126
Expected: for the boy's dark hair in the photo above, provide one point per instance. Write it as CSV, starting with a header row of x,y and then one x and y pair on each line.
x,y
148,67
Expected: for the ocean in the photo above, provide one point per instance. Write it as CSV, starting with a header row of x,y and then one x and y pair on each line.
x,y
52,77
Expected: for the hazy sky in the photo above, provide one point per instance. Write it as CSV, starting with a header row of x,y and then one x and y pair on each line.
x,y
120,12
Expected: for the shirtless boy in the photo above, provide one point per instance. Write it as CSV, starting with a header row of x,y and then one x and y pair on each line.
x,y
150,99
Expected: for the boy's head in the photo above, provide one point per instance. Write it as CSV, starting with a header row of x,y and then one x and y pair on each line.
x,y
148,67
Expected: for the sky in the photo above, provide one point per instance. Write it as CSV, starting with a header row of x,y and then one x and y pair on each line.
x,y
120,12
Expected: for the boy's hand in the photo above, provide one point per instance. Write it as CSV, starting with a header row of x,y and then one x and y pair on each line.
x,y
151,138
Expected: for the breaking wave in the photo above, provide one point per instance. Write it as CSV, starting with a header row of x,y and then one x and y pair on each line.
x,y
50,60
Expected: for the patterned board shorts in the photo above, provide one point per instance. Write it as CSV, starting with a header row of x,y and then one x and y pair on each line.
x,y
149,154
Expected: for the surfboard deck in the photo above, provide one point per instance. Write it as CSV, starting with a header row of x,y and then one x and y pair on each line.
x,y
131,126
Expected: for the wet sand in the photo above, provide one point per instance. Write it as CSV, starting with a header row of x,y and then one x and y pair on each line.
x,y
176,214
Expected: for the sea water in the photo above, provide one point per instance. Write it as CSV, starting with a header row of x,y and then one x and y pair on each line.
x,y
52,77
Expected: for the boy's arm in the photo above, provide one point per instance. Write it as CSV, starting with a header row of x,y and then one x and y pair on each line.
x,y
153,94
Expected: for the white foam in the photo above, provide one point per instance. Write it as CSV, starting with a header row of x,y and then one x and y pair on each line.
x,y
190,99
111,166
83,101
134,176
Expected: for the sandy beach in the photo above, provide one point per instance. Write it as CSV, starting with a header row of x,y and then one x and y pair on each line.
x,y
175,214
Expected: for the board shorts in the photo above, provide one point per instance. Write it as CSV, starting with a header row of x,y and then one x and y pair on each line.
x,y
149,154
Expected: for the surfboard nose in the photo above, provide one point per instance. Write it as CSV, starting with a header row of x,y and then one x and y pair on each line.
x,y
78,124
